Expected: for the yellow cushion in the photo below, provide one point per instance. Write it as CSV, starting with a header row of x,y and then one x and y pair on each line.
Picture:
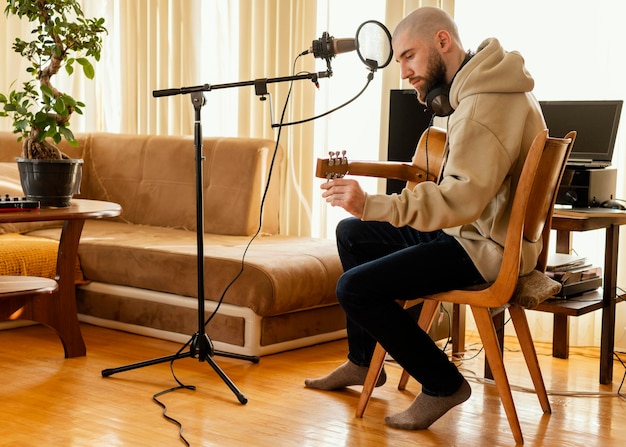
x,y
22,255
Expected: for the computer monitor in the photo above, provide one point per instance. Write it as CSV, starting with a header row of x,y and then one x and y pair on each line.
x,y
596,125
408,119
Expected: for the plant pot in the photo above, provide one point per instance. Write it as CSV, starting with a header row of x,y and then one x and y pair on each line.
x,y
52,182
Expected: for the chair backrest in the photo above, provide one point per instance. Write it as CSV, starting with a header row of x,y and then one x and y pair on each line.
x,y
530,219
547,171
532,209
541,202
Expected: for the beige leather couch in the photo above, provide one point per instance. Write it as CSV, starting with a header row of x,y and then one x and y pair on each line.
x,y
142,265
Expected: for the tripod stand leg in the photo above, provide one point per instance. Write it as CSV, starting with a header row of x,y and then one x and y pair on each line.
x,y
242,399
110,371
200,347
250,358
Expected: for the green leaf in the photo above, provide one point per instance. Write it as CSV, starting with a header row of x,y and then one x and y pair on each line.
x,y
88,69
21,124
47,91
69,100
68,135
60,107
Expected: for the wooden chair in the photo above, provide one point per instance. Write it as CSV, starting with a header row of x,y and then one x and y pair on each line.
x,y
530,219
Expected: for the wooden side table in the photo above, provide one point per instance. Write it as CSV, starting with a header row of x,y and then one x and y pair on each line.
x,y
565,223
59,311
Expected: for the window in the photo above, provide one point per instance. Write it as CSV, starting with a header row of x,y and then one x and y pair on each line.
x,y
356,127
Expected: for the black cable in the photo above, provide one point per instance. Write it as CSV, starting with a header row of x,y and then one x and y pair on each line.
x,y
501,328
164,407
370,76
155,397
619,393
280,126
262,206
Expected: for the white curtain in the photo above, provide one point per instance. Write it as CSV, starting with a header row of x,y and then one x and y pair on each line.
x,y
273,33
169,44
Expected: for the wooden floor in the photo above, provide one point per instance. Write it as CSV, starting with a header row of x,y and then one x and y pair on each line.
x,y
47,400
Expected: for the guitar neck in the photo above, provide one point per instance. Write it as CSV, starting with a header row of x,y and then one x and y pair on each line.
x,y
426,165
389,169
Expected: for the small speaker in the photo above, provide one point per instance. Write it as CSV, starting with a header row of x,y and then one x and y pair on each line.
x,y
586,187
408,119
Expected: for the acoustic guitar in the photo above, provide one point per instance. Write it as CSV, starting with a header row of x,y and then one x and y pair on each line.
x,y
427,163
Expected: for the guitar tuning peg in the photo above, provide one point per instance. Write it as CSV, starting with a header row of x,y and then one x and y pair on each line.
x,y
338,159
344,158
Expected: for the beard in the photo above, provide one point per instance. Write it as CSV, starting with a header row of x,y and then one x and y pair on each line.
x,y
435,75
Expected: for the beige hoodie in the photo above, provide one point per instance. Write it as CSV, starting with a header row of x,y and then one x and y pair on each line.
x,y
488,136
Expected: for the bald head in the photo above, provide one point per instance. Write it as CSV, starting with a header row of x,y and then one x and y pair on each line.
x,y
424,23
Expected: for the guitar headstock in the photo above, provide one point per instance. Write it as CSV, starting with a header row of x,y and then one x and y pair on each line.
x,y
333,167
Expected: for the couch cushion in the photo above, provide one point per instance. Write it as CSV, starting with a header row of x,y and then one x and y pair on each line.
x,y
281,273
153,178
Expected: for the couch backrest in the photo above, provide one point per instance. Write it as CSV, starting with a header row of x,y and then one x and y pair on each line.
x,y
153,179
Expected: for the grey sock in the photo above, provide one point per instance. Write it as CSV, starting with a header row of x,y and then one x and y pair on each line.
x,y
427,409
347,374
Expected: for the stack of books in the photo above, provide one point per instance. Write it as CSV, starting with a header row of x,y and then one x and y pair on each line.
x,y
575,274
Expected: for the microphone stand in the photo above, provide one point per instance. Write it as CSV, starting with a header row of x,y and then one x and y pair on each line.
x,y
200,345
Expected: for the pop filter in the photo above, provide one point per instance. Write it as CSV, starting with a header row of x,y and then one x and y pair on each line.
x,y
373,44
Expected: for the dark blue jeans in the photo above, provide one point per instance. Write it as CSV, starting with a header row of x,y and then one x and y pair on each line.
x,y
383,264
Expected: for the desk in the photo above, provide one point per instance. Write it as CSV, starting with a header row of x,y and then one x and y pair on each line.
x,y
59,312
566,222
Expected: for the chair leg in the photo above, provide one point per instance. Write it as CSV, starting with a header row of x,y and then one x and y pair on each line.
x,y
520,322
488,335
498,322
427,315
425,321
376,366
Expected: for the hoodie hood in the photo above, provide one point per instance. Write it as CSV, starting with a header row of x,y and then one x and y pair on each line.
x,y
491,70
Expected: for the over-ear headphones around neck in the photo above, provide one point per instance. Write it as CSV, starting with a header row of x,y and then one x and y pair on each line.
x,y
437,99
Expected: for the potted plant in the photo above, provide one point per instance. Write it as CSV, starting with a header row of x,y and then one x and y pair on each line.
x,y
62,38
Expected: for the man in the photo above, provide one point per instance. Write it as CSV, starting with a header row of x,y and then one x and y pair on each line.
x,y
438,236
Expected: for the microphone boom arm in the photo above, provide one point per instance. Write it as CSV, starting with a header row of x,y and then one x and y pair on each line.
x,y
260,85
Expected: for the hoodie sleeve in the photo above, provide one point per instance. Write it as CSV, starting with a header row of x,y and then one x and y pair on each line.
x,y
476,167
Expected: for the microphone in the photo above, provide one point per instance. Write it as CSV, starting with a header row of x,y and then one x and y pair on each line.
x,y
327,46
